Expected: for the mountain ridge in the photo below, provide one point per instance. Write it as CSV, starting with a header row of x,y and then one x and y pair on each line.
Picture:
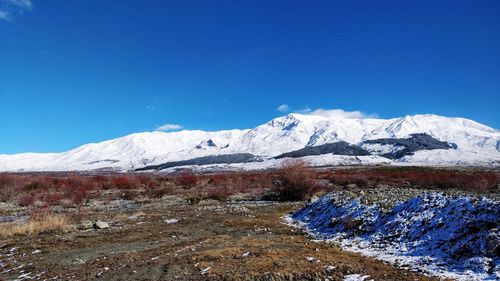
x,y
477,144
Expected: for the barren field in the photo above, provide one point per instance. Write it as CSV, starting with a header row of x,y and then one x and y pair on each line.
x,y
195,227
210,241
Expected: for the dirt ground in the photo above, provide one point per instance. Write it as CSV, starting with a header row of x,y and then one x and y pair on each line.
x,y
210,241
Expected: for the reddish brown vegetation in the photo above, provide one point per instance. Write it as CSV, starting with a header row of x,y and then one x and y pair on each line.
x,y
475,181
293,181
26,200
187,179
129,194
124,182
220,193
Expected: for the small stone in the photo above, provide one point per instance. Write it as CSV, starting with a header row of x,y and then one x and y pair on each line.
x,y
101,225
171,221
314,198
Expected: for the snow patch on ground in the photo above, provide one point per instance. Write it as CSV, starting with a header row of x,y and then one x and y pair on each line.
x,y
449,236
357,277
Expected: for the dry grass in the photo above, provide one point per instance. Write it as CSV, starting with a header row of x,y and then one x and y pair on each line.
x,y
40,224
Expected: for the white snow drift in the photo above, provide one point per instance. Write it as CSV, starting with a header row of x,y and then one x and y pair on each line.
x,y
455,237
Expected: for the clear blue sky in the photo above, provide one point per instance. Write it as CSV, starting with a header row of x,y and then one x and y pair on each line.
x,y
73,72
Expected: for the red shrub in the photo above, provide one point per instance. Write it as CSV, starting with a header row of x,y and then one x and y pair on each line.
x,y
39,182
7,193
8,184
80,195
7,180
26,200
360,181
219,193
187,179
295,182
157,192
152,183
142,179
218,180
52,198
124,182
100,182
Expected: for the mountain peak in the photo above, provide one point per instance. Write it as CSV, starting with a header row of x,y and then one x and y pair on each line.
x,y
476,143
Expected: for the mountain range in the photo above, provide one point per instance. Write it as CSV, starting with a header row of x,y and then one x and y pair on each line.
x,y
424,139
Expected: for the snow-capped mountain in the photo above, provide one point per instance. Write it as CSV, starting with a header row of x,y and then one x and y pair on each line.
x,y
473,144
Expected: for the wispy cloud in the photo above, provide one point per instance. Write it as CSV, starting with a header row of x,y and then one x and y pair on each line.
x,y
336,113
22,4
283,108
4,15
9,8
169,127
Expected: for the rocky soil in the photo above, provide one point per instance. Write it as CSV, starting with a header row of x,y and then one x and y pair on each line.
x,y
168,239
453,234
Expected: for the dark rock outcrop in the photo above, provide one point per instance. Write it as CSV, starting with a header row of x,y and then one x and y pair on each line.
x,y
206,160
338,148
412,144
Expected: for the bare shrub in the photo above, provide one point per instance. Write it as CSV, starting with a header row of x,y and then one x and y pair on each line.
x,y
7,193
360,181
80,215
26,199
157,192
52,198
124,182
217,180
220,193
187,179
152,183
294,182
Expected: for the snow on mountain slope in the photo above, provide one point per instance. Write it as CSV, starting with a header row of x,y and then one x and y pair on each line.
x,y
477,144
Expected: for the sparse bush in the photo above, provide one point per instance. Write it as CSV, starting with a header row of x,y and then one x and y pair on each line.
x,y
79,196
52,198
157,192
339,179
219,193
80,215
6,180
26,200
124,182
360,181
152,183
7,193
217,180
7,187
187,179
38,182
295,182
